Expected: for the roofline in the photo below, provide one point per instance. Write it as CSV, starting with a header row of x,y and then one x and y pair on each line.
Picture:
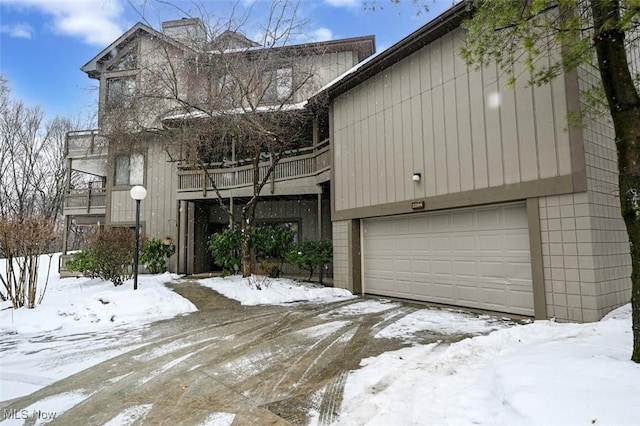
x,y
434,29
87,68
335,45
323,44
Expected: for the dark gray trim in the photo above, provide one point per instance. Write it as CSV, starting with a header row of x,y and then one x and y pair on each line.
x,y
499,194
355,257
537,270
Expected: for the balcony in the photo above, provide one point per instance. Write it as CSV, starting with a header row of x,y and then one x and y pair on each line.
x,y
85,144
85,201
298,172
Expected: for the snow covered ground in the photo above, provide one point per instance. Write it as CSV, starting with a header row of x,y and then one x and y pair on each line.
x,y
81,322
541,373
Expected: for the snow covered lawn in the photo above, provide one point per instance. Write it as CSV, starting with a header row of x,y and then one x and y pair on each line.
x,y
276,291
81,322
543,373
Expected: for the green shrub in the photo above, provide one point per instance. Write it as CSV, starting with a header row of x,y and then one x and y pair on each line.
x,y
271,244
311,254
154,255
225,249
109,255
84,262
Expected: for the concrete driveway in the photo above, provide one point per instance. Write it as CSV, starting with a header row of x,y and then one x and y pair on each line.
x,y
227,364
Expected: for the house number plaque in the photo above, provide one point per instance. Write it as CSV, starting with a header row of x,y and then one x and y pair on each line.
x,y
417,205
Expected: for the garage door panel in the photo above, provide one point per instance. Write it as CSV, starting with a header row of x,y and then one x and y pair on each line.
x,y
462,220
465,268
519,271
464,243
439,222
441,244
476,257
514,218
517,243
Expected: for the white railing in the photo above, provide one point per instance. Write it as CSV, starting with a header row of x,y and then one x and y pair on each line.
x,y
295,164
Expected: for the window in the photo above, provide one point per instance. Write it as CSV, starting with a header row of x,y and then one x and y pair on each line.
x,y
120,91
277,84
129,170
128,61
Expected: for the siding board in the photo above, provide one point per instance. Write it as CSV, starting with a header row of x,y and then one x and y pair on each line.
x,y
451,137
526,128
492,125
439,141
429,176
509,122
464,133
478,132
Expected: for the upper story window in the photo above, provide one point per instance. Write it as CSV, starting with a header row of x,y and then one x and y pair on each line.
x,y
120,91
128,61
129,170
277,85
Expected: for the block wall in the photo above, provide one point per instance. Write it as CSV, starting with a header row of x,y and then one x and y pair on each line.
x,y
341,255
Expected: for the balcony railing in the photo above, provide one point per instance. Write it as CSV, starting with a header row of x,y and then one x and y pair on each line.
x,y
86,199
303,162
82,143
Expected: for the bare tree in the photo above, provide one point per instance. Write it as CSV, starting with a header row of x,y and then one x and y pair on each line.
x,y
32,159
32,171
228,100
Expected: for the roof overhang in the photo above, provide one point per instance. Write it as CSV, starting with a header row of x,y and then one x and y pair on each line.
x,y
436,28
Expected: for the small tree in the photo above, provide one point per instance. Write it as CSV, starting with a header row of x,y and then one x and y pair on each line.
x,y
109,255
225,248
271,244
155,253
23,241
311,254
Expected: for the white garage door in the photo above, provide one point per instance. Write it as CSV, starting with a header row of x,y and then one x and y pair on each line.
x,y
473,257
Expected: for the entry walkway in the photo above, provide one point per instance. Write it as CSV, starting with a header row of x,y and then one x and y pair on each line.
x,y
228,364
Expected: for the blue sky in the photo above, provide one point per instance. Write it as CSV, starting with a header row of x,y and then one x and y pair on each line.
x,y
43,43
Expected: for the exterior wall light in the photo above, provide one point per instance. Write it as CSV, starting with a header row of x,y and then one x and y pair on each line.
x,y
417,177
138,193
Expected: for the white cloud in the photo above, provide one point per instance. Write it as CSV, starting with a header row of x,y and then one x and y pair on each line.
x,y
343,3
17,30
94,21
321,34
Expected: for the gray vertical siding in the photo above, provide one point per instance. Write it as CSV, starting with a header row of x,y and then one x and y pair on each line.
x,y
159,209
430,113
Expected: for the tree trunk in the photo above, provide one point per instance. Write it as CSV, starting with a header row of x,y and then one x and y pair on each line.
x,y
247,269
248,221
624,105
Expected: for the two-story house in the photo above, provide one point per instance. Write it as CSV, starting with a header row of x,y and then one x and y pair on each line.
x,y
164,99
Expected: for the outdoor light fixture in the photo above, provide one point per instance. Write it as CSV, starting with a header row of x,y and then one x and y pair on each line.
x,y
417,177
138,193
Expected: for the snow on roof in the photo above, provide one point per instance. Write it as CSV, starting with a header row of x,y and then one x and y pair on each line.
x,y
265,108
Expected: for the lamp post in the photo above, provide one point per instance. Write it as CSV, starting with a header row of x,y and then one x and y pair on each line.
x,y
138,193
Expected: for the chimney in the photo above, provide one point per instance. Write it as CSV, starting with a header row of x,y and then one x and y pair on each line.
x,y
189,31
